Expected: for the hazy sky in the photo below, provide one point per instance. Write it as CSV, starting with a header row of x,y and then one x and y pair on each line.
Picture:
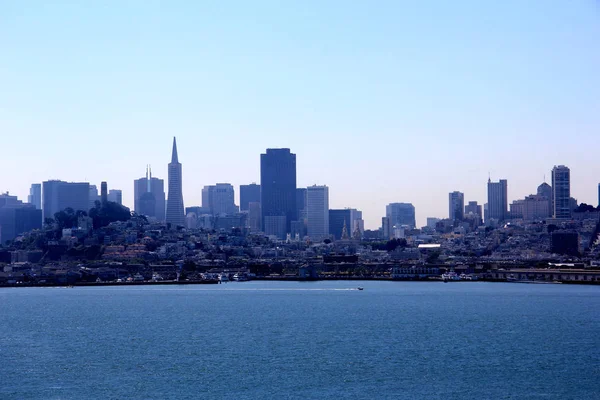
x,y
383,101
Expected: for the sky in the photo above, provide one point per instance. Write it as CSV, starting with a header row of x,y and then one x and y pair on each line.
x,y
383,101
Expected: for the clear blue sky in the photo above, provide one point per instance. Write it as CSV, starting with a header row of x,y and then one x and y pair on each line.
x,y
384,101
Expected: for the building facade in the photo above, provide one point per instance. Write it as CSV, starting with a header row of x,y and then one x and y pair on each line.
x,y
497,200
17,218
219,199
35,195
175,211
58,195
317,212
149,196
249,194
561,192
116,196
278,191
456,206
400,214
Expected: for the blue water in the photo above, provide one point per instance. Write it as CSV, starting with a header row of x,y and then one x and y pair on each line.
x,y
296,340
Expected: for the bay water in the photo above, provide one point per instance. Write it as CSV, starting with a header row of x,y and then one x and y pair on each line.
x,y
301,340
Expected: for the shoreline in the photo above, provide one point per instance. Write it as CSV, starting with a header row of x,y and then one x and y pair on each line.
x,y
278,279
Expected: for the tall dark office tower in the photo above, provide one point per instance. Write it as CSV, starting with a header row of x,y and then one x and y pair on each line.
x,y
103,192
249,194
561,192
175,210
149,196
497,199
278,191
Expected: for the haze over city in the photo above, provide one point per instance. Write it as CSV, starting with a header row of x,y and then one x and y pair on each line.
x,y
383,103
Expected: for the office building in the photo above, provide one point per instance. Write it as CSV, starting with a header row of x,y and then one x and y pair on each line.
x,y
400,214
278,191
103,192
474,208
531,208
497,200
317,212
58,195
561,192
35,195
599,195
219,199
456,206
249,194
17,218
348,218
175,210
116,196
432,222
149,196
386,229
254,217
94,196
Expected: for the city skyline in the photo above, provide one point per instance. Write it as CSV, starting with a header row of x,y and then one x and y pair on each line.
x,y
356,91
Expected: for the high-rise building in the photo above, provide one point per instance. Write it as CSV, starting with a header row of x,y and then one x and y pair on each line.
x,y
94,196
474,208
175,210
545,190
497,199
400,214
599,195
17,218
317,212
219,199
349,218
103,192
561,192
58,195
456,206
35,195
149,196
116,196
249,194
254,217
532,207
278,191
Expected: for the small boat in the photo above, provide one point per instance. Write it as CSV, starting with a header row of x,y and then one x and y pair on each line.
x,y
360,288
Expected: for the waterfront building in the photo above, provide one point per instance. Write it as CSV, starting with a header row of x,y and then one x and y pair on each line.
x,y
561,192
219,199
497,199
400,214
116,196
58,195
249,194
278,191
35,195
175,210
149,196
456,206
317,212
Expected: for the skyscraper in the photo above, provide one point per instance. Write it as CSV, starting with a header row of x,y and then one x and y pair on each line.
x,y
599,195
317,212
175,210
219,199
456,206
249,194
400,214
58,195
35,195
545,190
17,218
497,199
278,191
103,192
561,192
116,196
149,196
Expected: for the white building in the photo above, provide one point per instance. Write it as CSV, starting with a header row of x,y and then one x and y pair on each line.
x,y
317,212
